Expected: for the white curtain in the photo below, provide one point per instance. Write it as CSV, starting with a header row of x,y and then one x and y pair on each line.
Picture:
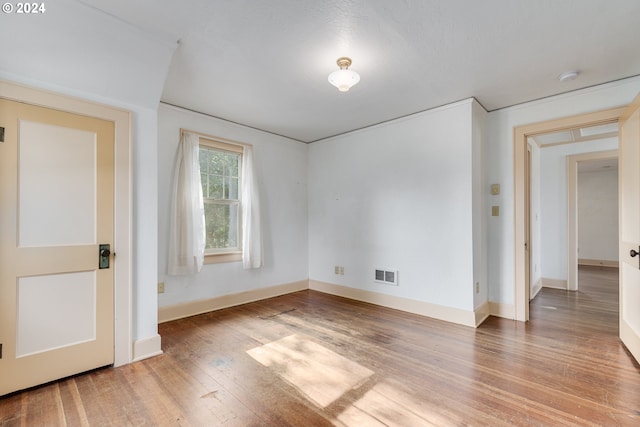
x,y
251,228
187,228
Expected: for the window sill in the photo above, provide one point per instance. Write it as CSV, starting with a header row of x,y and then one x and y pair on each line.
x,y
222,257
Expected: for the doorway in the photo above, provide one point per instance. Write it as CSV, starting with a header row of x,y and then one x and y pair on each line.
x,y
562,157
522,134
601,227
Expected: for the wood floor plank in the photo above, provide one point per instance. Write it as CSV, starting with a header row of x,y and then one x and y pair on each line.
x,y
43,407
566,367
226,360
11,410
74,411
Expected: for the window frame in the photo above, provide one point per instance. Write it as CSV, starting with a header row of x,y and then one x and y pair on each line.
x,y
235,254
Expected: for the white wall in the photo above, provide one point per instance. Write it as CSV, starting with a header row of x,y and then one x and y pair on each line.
x,y
598,215
77,47
281,168
398,196
480,189
500,165
554,202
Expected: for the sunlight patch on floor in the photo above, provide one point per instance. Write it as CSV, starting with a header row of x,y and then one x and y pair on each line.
x,y
387,405
319,373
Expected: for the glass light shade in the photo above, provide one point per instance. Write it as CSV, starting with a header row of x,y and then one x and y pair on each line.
x,y
344,79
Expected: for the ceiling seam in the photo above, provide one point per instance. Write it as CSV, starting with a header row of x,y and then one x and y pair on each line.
x,y
563,93
231,121
396,118
153,36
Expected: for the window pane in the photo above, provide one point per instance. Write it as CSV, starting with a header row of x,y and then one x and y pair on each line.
x,y
204,160
215,187
222,225
234,228
220,179
204,182
216,162
234,165
231,188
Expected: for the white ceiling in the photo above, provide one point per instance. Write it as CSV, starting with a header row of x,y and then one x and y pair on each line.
x,y
590,133
264,64
600,165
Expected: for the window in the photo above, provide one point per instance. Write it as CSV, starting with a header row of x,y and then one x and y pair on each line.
x,y
215,206
220,176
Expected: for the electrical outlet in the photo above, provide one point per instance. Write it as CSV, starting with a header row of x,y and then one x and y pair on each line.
x,y
336,270
161,287
477,287
342,271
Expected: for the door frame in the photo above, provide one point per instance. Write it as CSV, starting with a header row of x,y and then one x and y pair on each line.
x,y
123,192
572,209
520,176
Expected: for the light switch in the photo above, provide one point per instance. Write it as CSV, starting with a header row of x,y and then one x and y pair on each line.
x,y
495,210
495,189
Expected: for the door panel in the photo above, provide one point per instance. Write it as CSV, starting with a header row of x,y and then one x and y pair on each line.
x,y
56,207
63,186
629,164
55,311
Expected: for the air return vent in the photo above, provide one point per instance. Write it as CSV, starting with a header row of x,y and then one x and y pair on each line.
x,y
389,277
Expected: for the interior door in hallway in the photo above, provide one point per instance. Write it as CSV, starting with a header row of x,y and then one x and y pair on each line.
x,y
629,164
56,209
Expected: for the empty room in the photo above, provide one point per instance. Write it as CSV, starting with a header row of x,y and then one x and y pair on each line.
x,y
310,213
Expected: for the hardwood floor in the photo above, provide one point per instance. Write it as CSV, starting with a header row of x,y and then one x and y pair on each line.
x,y
310,359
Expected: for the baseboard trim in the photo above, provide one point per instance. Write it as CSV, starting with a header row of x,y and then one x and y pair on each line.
x,y
506,311
598,262
482,313
554,283
453,315
535,289
192,308
146,348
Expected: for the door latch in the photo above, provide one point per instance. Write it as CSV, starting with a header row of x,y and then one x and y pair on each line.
x,y
104,252
633,253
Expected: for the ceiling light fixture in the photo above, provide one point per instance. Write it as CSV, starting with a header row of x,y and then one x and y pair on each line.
x,y
569,75
344,78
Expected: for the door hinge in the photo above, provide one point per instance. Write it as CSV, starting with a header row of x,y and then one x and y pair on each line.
x,y
0,350
1,134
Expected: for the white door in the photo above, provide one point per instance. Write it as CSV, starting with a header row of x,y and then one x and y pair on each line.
x,y
56,208
629,164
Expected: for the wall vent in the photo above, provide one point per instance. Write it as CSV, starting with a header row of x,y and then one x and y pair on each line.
x,y
389,277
